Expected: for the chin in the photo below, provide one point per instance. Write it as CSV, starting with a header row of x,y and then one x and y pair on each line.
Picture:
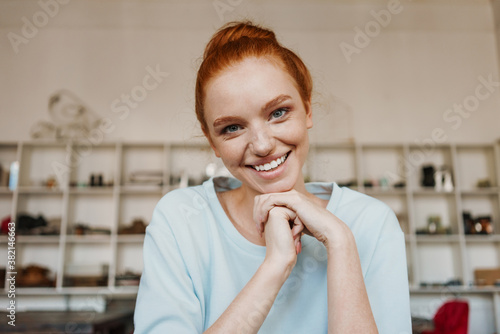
x,y
274,187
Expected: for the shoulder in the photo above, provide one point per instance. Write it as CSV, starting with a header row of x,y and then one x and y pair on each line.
x,y
357,202
191,196
374,225
363,213
350,196
180,206
200,197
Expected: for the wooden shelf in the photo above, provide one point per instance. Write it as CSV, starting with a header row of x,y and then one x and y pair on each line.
x,y
131,238
384,192
119,290
432,192
437,238
85,239
453,289
39,190
481,192
482,238
91,191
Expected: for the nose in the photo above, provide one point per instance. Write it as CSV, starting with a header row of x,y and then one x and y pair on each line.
x,y
262,142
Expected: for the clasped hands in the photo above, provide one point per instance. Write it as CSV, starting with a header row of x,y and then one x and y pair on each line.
x,y
284,217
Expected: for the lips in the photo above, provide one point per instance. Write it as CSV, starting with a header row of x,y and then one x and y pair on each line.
x,y
269,166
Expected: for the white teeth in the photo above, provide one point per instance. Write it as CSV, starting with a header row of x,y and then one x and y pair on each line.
x,y
271,165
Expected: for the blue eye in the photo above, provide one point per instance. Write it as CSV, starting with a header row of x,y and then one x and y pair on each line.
x,y
231,128
279,112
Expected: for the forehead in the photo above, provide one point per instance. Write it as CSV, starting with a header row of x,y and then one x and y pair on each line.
x,y
249,84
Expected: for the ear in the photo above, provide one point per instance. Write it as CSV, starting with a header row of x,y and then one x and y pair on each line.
x,y
309,121
207,135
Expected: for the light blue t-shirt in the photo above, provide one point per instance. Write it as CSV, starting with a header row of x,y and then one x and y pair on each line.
x,y
196,262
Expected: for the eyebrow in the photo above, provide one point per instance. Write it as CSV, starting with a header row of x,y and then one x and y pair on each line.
x,y
224,120
276,101
269,105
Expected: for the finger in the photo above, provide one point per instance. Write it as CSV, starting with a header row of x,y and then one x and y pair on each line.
x,y
260,217
264,203
279,213
259,223
297,242
258,227
297,228
306,231
298,245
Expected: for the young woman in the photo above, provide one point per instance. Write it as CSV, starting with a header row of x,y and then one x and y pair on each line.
x,y
264,252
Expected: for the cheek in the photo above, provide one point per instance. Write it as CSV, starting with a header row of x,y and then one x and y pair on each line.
x,y
293,133
229,154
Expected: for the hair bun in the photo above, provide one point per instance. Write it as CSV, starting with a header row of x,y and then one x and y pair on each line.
x,y
234,43
234,31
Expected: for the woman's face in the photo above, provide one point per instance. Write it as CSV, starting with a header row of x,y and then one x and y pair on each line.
x,y
257,124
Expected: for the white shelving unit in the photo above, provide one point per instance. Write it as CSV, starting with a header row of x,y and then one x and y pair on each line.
x,y
71,201
432,259
439,258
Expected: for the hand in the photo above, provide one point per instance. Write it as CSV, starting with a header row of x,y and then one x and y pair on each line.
x,y
282,234
314,219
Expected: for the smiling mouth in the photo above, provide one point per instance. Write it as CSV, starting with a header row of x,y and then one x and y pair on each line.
x,y
270,165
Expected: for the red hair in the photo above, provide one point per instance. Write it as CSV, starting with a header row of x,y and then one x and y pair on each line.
x,y
237,41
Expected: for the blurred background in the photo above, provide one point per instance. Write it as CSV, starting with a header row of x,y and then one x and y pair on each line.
x,y
98,112
394,87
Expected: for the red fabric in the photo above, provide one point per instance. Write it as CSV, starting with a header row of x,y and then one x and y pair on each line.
x,y
451,318
4,228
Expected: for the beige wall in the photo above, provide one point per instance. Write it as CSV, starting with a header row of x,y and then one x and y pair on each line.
x,y
429,57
